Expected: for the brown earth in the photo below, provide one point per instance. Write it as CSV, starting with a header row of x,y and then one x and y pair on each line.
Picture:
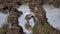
x,y
41,27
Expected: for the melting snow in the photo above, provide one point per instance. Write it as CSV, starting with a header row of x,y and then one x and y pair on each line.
x,y
53,15
25,9
3,18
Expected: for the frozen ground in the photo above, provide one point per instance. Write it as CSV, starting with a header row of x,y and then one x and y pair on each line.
x,y
52,13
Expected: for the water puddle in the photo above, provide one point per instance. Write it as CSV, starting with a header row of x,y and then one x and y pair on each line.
x,y
25,9
53,15
3,18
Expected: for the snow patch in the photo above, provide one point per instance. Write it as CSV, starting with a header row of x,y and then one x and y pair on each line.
x,y
25,9
3,18
53,15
